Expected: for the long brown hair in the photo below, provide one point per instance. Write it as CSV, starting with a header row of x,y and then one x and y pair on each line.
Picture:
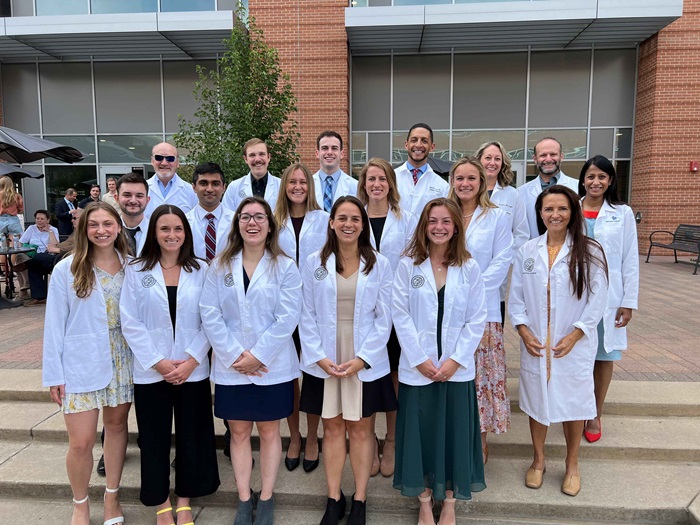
x,y
585,251
482,196
150,254
83,265
364,244
393,196
235,240
282,207
505,176
419,247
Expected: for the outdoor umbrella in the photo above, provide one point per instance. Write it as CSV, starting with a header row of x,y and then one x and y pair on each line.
x,y
18,173
19,147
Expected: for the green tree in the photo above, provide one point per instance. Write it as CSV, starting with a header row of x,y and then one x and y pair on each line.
x,y
247,96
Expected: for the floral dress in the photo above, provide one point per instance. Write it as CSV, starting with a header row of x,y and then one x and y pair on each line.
x,y
121,389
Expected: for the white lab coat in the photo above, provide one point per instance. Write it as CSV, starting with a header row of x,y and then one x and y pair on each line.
x,y
261,320
414,197
199,224
528,195
568,396
346,185
616,230
147,327
312,236
372,316
241,188
77,352
415,313
180,194
490,241
396,235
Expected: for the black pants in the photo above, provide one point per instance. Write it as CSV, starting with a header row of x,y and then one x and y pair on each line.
x,y
197,472
38,268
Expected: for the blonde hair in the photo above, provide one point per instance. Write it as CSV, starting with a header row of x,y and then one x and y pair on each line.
x,y
83,264
8,195
253,142
505,176
393,197
282,207
482,196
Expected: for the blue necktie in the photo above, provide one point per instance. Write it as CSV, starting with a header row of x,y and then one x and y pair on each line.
x,y
328,194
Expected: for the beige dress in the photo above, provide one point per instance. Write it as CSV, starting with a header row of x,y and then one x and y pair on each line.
x,y
344,396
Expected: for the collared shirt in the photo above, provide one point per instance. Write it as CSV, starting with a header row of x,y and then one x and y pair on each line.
x,y
335,176
258,186
201,223
71,206
164,188
552,181
422,169
140,232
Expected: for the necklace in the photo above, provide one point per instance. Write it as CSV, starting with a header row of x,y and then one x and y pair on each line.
x,y
438,267
166,269
467,216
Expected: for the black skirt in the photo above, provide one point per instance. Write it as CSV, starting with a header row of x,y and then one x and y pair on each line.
x,y
254,402
377,395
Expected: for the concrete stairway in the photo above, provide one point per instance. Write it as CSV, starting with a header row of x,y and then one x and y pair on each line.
x,y
646,469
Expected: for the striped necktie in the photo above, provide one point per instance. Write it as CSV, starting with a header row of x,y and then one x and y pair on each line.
x,y
210,237
415,172
328,194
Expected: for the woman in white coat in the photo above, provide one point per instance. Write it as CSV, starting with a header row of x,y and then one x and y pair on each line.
x,y
344,329
86,361
557,297
250,305
489,240
392,229
303,226
439,311
161,323
497,164
612,224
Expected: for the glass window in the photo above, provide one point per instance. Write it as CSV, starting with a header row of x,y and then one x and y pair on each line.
x,y
601,142
178,85
229,5
84,144
371,93
467,142
126,149
614,73
378,145
441,151
622,170
573,141
421,91
123,6
20,97
66,97
60,178
24,7
64,7
623,143
358,154
187,5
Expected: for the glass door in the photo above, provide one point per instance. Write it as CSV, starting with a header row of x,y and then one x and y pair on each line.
x,y
518,169
108,172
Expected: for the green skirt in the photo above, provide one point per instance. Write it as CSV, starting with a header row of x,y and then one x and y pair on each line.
x,y
438,440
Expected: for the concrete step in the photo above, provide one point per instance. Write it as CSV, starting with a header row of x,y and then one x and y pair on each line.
x,y
623,491
630,398
624,437
41,512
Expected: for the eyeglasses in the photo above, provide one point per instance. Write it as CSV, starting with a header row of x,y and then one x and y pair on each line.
x,y
167,158
259,218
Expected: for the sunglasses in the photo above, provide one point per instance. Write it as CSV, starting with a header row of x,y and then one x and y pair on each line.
x,y
167,158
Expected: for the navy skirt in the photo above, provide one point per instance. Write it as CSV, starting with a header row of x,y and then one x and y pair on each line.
x,y
254,402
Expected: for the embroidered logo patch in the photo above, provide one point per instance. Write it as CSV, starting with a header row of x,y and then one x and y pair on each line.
x,y
228,280
321,273
148,281
417,281
529,265
241,193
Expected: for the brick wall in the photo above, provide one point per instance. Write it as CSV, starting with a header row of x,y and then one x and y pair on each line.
x,y
667,127
312,44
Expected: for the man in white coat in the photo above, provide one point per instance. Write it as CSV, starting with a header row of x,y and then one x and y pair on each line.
x,y
133,199
258,182
166,186
330,182
547,155
417,182
209,220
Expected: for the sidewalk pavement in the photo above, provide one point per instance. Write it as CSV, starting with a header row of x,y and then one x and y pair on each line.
x,y
664,334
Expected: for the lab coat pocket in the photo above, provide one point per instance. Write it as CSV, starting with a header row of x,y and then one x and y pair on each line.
x,y
82,357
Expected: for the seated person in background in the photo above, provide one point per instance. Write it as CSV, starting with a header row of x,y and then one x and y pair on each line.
x,y
93,197
41,234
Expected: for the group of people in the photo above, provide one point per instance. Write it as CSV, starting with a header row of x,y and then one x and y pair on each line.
x,y
383,295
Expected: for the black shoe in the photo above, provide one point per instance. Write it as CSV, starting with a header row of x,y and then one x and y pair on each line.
x,y
291,463
101,466
244,512
6,305
310,466
227,449
358,512
335,510
265,511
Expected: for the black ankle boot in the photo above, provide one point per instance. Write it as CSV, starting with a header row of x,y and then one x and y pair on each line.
x,y
335,510
358,512
264,515
244,513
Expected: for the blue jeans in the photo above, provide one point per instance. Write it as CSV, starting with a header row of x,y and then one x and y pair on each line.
x,y
10,224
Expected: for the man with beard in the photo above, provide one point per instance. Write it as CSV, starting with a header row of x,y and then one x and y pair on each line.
x,y
258,182
166,186
417,182
547,156
330,182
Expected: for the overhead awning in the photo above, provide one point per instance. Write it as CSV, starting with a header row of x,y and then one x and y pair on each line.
x,y
115,36
506,26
